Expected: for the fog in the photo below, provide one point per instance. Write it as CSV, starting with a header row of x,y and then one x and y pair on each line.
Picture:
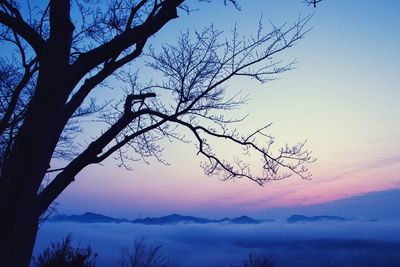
x,y
304,244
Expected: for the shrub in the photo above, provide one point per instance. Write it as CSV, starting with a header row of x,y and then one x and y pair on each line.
x,y
62,254
143,254
259,260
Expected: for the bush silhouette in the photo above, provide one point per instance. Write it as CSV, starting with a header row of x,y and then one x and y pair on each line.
x,y
63,254
143,254
259,260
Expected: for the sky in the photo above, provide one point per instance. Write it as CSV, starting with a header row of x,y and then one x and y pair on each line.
x,y
342,97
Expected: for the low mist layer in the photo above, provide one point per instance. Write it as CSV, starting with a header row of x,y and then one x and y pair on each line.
x,y
306,244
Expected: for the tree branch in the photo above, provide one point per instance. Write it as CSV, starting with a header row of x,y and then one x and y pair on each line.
x,y
87,157
61,29
95,80
93,58
25,31
4,122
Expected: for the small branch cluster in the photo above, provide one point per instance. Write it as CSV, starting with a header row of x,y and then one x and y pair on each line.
x,y
195,74
312,2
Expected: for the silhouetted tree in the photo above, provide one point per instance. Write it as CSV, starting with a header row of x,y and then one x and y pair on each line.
x,y
63,254
143,254
259,260
51,64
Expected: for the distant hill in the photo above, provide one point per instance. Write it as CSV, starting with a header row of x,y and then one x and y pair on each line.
x,y
87,217
304,219
246,220
171,219
381,205
90,217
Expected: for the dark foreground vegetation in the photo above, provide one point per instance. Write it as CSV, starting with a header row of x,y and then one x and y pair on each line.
x,y
323,252
143,254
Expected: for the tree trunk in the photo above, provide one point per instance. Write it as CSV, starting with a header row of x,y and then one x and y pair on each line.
x,y
24,170
21,178
19,207
18,235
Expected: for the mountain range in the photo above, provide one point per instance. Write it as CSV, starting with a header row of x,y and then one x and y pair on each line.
x,y
304,219
90,217
379,205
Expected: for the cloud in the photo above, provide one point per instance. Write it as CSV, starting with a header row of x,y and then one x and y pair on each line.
x,y
218,244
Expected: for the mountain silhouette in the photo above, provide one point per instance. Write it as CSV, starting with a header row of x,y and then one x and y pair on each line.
x,y
87,217
302,219
90,217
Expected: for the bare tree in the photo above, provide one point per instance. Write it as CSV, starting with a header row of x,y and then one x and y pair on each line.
x,y
143,254
63,254
52,66
259,260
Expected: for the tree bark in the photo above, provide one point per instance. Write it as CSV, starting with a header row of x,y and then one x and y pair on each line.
x,y
24,170
23,173
18,234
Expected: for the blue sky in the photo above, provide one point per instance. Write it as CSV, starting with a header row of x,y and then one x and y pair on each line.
x,y
343,97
